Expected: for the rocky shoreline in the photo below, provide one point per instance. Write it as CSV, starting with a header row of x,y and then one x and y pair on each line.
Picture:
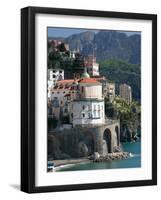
x,y
107,158
112,156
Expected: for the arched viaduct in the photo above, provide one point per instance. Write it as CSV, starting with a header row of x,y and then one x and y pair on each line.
x,y
84,141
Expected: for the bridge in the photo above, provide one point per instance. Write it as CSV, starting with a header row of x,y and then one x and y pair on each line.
x,y
85,140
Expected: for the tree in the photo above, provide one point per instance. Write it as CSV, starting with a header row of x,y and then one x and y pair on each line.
x,y
52,123
129,115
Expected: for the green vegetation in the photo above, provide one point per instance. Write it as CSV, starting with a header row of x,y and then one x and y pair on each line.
x,y
59,57
52,123
119,71
65,119
129,114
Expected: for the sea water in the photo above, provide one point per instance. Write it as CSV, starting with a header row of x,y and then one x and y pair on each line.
x,y
134,160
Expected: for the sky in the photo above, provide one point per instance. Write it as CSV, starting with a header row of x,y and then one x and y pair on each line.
x,y
65,32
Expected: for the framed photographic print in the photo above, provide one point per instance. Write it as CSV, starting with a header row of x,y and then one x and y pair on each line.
x,y
88,99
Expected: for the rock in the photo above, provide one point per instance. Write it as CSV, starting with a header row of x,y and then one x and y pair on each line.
x,y
96,155
110,157
117,149
82,149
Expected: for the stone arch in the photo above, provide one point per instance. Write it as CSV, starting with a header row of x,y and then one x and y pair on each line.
x,y
117,135
107,136
86,141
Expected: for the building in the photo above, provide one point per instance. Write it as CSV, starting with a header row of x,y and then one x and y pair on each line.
x,y
88,106
126,92
80,99
58,96
91,65
111,91
54,75
66,46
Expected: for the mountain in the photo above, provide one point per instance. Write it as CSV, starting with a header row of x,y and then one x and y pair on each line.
x,y
107,45
118,54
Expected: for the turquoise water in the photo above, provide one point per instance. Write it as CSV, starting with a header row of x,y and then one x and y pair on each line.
x,y
132,162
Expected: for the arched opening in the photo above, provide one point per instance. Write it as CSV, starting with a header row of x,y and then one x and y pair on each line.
x,y
60,77
117,134
107,138
86,144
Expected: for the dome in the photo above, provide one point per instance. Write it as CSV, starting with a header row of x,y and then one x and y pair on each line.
x,y
85,75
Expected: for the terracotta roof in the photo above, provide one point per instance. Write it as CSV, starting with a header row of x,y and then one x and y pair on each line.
x,y
88,80
65,81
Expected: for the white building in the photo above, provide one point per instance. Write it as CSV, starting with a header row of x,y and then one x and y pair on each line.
x,y
88,109
54,75
93,69
87,112
126,92
80,99
91,65
111,91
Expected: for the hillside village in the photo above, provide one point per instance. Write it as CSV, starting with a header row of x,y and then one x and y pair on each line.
x,y
80,99
85,114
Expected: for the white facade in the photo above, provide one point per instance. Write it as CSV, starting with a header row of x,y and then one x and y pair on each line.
x,y
91,91
88,109
87,112
53,76
93,70
111,91
82,100
126,92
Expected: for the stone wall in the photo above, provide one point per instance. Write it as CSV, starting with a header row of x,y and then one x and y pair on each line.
x,y
84,141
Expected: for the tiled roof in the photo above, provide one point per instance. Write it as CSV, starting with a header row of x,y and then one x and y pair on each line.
x,y
88,80
65,81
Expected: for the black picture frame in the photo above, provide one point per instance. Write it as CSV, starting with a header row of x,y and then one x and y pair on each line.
x,y
28,98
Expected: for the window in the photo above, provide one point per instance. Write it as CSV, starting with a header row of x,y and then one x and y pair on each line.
x,y
83,107
99,114
98,107
60,77
54,76
83,115
89,115
61,102
88,107
94,107
68,98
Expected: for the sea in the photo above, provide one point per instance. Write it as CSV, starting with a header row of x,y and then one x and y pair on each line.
x,y
134,160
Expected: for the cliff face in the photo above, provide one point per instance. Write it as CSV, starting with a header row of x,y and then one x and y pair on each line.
x,y
108,45
130,131
129,115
